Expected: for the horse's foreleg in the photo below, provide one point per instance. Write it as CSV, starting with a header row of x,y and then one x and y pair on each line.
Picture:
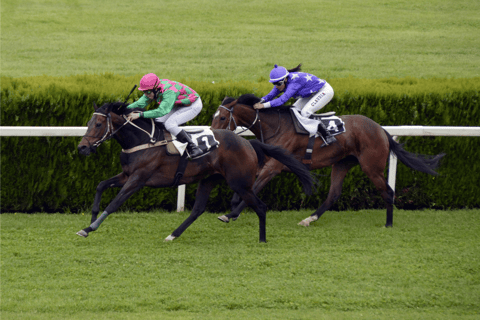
x,y
117,181
201,198
268,172
339,171
133,185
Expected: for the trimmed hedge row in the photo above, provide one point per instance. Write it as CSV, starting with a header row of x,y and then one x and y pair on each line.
x,y
47,174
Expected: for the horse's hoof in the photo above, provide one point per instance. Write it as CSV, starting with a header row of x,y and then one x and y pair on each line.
x,y
169,238
224,218
82,233
389,226
304,223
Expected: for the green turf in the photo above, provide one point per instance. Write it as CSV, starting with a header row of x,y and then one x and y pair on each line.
x,y
219,40
346,266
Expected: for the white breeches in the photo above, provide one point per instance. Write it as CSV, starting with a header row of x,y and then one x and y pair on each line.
x,y
310,105
180,115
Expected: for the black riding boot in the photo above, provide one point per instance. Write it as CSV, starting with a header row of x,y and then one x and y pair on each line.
x,y
329,139
193,150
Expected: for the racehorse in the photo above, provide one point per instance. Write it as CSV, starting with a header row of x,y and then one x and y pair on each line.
x,y
147,164
364,142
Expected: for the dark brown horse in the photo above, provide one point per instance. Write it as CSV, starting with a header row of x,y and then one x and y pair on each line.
x,y
365,142
235,159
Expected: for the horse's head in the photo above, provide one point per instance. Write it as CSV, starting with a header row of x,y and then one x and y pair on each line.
x,y
100,127
236,112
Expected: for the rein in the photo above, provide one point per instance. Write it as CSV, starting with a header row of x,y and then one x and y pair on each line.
x,y
257,118
109,133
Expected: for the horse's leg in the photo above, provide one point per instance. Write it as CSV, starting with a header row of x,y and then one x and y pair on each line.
x,y
114,182
260,209
268,172
375,173
131,186
201,198
235,202
339,171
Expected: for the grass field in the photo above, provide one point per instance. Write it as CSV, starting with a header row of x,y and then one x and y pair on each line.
x,y
221,40
346,266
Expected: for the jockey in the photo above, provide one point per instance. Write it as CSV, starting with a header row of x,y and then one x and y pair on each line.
x,y
177,105
312,93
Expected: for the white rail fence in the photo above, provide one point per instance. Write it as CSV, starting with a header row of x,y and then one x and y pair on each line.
x,y
395,131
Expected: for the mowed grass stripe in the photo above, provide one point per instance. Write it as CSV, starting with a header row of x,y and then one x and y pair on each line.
x,y
346,262
222,40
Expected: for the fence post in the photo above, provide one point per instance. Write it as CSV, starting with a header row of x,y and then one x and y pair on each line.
x,y
392,169
181,198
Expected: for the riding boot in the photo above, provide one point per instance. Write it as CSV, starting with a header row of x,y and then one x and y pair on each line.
x,y
193,150
329,139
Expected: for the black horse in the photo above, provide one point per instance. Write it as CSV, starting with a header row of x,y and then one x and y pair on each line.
x,y
235,159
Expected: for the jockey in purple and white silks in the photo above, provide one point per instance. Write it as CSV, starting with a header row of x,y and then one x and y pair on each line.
x,y
177,104
312,93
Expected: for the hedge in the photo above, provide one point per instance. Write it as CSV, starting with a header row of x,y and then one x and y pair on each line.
x,y
47,173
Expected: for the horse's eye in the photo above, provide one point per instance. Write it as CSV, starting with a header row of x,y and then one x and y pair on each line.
x,y
99,125
222,118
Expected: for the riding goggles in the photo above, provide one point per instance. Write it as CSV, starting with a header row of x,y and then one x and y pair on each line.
x,y
279,83
148,91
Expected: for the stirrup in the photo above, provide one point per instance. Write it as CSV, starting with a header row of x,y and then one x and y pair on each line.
x,y
194,152
332,140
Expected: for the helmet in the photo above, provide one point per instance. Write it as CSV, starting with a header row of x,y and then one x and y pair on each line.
x,y
149,81
278,74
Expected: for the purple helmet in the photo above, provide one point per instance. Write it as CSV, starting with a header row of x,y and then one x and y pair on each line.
x,y
278,74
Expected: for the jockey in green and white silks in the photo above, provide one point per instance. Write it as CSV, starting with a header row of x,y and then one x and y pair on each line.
x,y
177,104
312,93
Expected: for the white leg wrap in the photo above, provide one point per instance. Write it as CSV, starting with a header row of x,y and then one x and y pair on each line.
x,y
169,238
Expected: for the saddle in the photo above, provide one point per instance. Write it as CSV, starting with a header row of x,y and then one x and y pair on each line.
x,y
332,123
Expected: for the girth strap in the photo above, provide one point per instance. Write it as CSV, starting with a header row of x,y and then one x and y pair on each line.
x,y
145,146
182,166
307,160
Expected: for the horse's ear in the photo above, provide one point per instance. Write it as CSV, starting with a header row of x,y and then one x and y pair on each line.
x,y
95,106
226,97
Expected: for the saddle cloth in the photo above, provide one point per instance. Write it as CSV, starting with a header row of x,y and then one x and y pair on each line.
x,y
309,126
204,139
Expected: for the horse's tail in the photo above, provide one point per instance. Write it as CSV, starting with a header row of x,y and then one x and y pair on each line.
x,y
280,154
420,162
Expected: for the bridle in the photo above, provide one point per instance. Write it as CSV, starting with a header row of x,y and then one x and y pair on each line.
x,y
257,119
109,133
232,119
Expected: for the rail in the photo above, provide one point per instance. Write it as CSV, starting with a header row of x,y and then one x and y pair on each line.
x,y
395,131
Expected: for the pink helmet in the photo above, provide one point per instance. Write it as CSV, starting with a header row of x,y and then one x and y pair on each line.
x,y
149,81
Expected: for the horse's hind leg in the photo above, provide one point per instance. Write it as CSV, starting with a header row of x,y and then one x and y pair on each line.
x,y
260,209
117,181
339,171
271,169
201,198
378,178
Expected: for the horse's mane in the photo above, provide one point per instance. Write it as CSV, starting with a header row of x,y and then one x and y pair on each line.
x,y
119,108
248,99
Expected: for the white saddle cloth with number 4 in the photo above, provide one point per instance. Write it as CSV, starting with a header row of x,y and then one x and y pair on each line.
x,y
334,124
